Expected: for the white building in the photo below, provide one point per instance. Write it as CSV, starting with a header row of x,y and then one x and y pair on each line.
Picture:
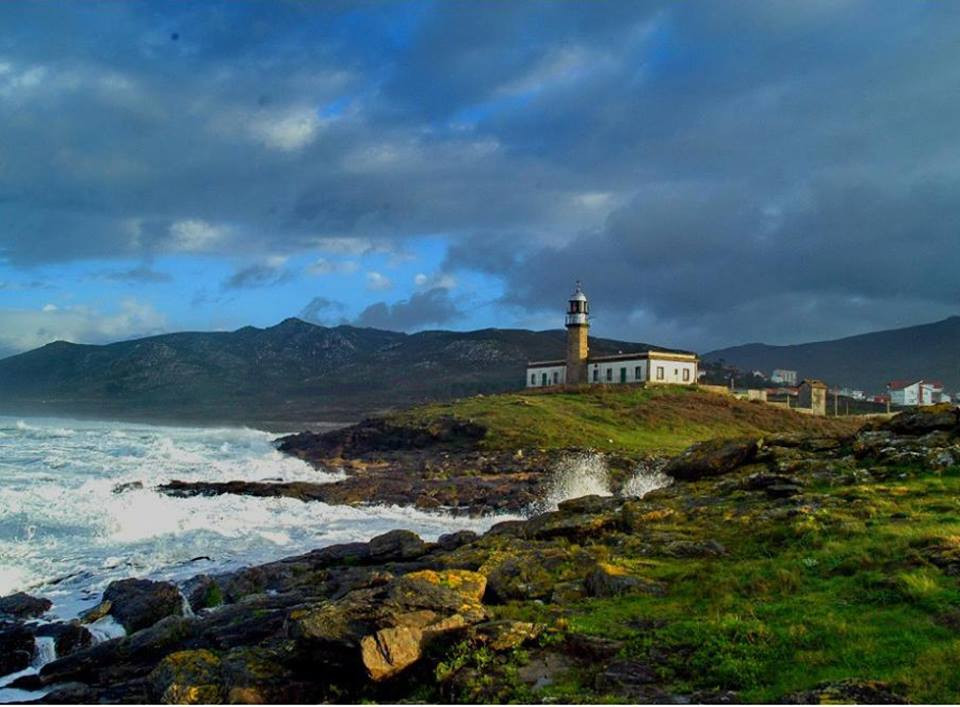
x,y
782,375
916,392
652,366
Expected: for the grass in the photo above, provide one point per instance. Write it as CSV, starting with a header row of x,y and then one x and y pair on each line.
x,y
621,419
822,598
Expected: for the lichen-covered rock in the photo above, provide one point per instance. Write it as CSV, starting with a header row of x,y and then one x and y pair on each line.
x,y
611,581
190,677
469,585
505,634
850,691
390,650
534,573
140,603
23,606
379,631
711,458
451,541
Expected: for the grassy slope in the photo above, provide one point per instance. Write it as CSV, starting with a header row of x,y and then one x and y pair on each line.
x,y
622,419
828,596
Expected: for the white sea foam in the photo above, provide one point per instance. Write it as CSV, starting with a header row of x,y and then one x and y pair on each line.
x,y
573,476
646,478
80,510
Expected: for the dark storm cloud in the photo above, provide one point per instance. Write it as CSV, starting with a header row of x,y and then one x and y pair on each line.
x,y
258,275
711,170
431,307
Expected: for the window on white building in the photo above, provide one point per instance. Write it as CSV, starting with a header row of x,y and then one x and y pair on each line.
x,y
556,377
609,374
638,373
686,374
659,373
596,374
543,379
533,379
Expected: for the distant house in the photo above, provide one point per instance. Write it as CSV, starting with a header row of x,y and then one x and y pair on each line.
x,y
812,394
782,375
916,392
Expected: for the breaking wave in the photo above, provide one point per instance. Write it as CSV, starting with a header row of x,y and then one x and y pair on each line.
x,y
79,509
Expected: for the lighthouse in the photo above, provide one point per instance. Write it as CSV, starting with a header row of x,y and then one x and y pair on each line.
x,y
578,326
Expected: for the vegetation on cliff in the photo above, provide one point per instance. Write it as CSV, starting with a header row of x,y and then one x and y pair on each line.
x,y
621,419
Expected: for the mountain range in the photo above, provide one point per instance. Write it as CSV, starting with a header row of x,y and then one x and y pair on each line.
x,y
867,361
292,372
296,372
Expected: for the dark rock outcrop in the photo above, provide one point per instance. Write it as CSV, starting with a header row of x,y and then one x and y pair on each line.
x,y
16,647
23,606
711,458
140,603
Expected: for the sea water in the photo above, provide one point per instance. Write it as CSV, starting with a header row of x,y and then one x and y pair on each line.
x,y
79,507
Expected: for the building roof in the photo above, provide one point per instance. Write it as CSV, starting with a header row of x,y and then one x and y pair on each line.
x,y
633,356
903,383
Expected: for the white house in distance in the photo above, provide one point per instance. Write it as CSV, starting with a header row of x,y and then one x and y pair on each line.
x,y
653,366
916,392
782,375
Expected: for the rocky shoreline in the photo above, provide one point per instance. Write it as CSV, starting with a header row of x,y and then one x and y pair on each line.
x,y
499,616
437,467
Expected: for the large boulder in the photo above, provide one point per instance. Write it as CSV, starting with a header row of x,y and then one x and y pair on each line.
x,y
16,648
611,581
68,637
397,545
926,419
711,458
849,691
23,606
140,603
377,632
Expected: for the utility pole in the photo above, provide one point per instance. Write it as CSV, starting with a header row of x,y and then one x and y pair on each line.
x,y
836,401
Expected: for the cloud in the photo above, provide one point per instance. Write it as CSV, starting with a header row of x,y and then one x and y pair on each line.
x,y
442,280
266,274
22,330
323,311
142,274
378,282
323,266
686,161
433,307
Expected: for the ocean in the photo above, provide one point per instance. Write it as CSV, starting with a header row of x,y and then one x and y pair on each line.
x,y
79,509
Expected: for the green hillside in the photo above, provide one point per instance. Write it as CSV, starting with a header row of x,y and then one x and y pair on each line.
x,y
624,419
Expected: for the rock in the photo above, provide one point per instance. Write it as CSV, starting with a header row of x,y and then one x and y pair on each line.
x,y
23,606
851,691
783,490
589,504
533,574
68,637
129,486
505,634
711,458
567,592
203,592
140,603
397,545
626,677
692,548
188,677
390,650
353,634
16,647
469,585
612,581
451,541
96,613
925,419
592,648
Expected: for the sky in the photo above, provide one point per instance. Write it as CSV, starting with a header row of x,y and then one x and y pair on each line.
x,y
713,172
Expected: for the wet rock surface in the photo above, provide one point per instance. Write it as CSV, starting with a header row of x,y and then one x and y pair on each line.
x,y
140,603
23,606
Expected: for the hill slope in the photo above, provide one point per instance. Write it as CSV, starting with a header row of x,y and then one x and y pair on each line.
x,y
293,371
867,361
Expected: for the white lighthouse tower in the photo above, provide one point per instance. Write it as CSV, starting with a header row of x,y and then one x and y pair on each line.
x,y
578,326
